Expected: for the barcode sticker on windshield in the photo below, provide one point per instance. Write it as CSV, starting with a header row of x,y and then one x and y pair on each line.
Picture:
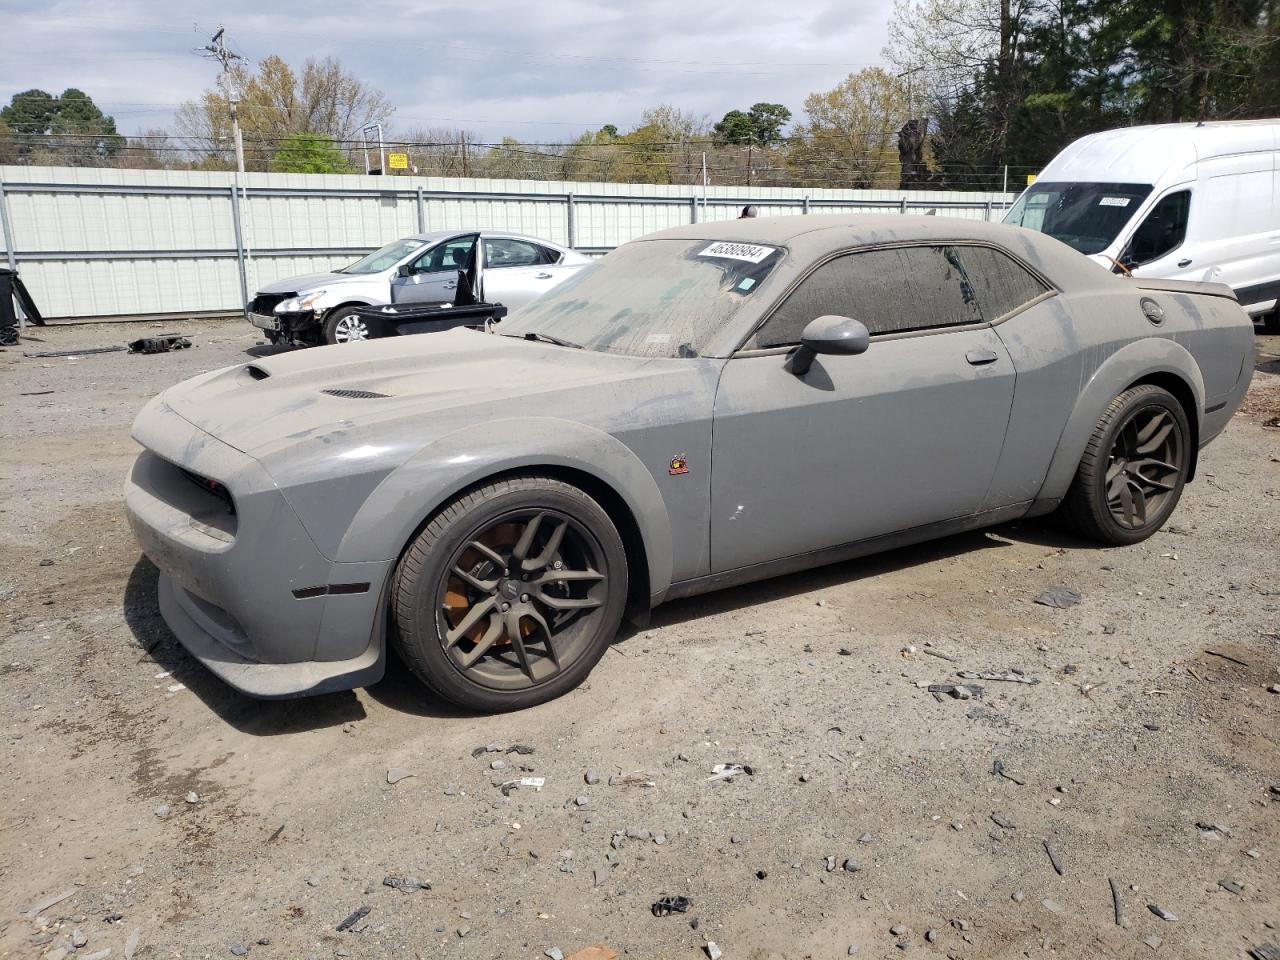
x,y
750,252
1114,202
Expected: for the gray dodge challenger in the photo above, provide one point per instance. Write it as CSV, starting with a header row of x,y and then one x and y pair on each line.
x,y
704,407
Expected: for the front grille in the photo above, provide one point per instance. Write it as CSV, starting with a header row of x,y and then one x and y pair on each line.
x,y
350,394
265,303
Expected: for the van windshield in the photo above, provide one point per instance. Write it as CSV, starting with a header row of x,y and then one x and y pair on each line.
x,y
1086,216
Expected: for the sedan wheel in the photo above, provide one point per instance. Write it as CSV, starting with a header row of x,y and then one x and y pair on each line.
x,y
1134,468
511,594
344,325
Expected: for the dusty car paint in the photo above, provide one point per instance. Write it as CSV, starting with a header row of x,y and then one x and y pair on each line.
x,y
898,444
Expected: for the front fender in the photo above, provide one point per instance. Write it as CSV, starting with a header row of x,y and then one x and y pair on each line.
x,y
411,493
1128,365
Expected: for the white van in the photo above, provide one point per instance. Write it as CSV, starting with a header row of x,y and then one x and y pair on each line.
x,y
1187,201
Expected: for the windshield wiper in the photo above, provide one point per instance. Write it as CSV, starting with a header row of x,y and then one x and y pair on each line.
x,y
544,338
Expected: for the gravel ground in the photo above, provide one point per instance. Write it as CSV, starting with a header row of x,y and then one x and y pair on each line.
x,y
185,820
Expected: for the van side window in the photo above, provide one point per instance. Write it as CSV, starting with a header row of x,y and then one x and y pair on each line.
x,y
1164,229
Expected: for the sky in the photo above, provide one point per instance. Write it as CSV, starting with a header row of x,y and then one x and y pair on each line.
x,y
538,70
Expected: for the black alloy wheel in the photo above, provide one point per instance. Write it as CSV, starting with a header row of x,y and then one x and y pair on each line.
x,y
510,594
1133,469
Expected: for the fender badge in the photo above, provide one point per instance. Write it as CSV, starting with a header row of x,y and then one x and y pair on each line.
x,y
679,466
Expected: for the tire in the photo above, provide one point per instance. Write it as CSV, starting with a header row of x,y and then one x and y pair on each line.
x,y
580,613
1271,322
1133,469
342,326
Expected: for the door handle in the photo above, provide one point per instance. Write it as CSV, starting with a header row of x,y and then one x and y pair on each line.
x,y
981,357
1185,263
450,284
544,276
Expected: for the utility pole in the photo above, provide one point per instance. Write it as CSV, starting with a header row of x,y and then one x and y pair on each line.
x,y
216,49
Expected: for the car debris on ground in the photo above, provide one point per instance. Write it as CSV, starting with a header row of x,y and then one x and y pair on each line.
x,y
1060,597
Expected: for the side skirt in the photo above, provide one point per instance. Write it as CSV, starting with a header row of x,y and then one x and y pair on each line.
x,y
846,551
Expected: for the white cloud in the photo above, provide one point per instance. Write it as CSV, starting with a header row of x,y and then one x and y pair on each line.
x,y
544,70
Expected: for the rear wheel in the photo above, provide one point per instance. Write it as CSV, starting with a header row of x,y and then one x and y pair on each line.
x,y
510,594
344,325
1133,469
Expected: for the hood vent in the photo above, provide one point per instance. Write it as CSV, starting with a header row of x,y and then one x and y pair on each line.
x,y
350,394
256,372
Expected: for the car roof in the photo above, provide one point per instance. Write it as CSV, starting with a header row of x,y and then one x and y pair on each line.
x,y
435,236
811,236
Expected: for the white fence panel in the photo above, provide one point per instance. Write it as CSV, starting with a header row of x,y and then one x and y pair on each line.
x,y
96,242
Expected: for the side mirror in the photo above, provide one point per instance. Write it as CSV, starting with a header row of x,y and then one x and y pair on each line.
x,y
403,270
829,334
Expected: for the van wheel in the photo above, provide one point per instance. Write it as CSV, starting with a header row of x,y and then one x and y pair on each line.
x,y
1271,322
1133,469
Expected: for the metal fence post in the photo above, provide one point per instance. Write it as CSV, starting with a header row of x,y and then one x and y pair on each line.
x,y
902,205
422,212
8,230
806,205
8,247
244,279
988,210
569,220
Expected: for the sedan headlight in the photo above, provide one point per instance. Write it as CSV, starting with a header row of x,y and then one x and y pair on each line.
x,y
298,304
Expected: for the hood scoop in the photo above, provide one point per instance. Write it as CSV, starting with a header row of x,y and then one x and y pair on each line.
x,y
348,393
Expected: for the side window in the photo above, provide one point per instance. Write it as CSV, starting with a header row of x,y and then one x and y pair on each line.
x,y
505,252
450,256
890,291
1164,229
1001,284
550,256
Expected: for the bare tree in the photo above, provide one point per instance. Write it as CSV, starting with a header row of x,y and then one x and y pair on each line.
x,y
849,138
275,103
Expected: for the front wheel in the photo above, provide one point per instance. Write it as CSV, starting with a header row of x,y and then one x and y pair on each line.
x,y
344,325
510,594
1133,469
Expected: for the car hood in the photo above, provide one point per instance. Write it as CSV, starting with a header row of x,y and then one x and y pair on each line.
x,y
397,392
312,280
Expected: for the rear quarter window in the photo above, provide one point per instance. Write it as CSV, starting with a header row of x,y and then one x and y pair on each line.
x,y
1001,284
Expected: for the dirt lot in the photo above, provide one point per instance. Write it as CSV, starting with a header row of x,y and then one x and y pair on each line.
x,y
1139,757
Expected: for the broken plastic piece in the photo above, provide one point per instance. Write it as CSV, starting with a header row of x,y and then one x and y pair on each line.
x,y
665,906
352,920
161,344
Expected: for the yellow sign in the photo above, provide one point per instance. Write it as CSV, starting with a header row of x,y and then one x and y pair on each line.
x,y
398,161
1031,177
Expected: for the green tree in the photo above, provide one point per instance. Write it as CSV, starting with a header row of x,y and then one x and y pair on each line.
x,y
849,139
69,129
308,153
760,126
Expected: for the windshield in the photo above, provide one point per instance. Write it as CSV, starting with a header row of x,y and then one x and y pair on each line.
x,y
385,258
652,298
1086,216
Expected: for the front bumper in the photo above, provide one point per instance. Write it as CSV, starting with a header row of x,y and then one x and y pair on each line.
x,y
300,326
248,595
264,322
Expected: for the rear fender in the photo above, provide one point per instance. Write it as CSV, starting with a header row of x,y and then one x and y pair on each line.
x,y
1138,361
411,494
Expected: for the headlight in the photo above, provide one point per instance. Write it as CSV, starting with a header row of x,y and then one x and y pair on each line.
x,y
298,304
